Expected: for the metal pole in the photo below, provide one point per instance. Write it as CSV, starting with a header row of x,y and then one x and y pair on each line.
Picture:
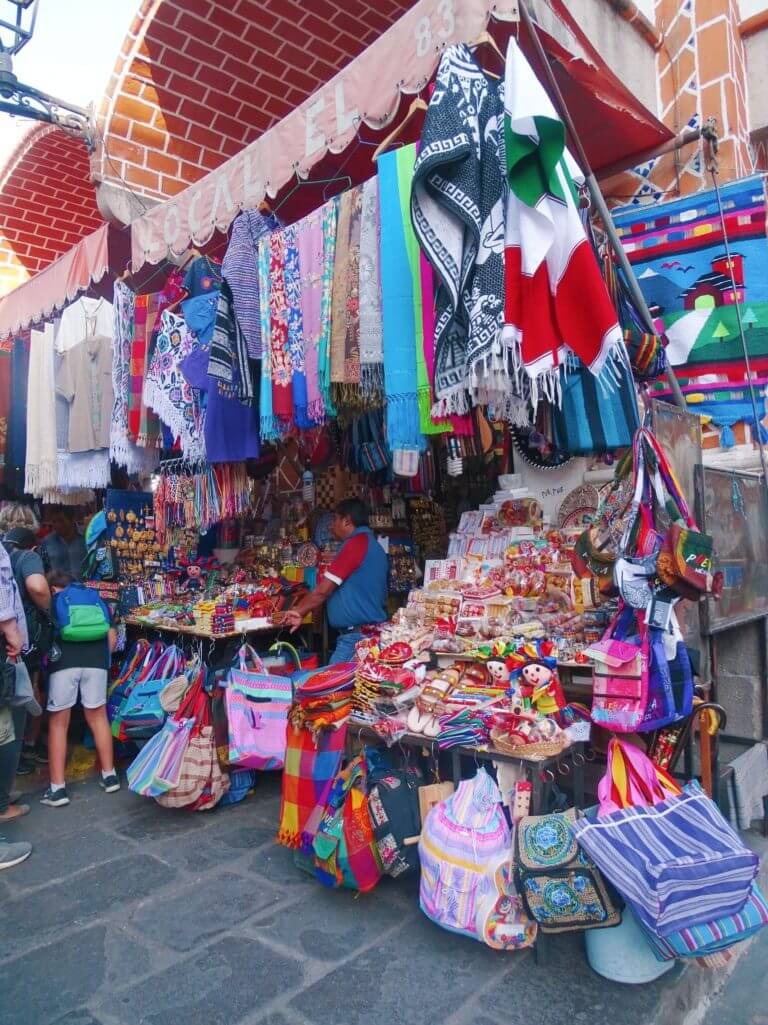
x,y
597,196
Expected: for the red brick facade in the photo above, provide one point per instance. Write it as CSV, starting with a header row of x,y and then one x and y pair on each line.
x,y
198,80
47,203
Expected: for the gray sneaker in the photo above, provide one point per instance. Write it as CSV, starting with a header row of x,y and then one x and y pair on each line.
x,y
14,853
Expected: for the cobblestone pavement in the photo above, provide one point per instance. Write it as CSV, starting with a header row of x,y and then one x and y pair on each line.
x,y
128,913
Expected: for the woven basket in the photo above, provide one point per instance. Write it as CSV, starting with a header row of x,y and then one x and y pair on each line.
x,y
532,752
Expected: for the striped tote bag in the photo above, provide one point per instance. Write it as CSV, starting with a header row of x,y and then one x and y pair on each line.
x,y
678,862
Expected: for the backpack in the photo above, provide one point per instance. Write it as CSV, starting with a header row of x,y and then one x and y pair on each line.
x,y
560,887
81,614
462,839
393,803
40,627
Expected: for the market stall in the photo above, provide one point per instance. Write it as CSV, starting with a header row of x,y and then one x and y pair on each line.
x,y
402,328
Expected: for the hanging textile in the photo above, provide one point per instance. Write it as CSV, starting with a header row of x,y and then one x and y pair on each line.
x,y
41,459
371,338
345,311
423,390
555,298
122,451
461,425
295,329
458,215
240,271
228,360
16,452
167,392
269,431
143,425
309,241
330,228
403,430
77,473
84,316
231,428
5,406
280,362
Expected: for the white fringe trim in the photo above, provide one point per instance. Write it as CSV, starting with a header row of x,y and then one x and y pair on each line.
x,y
41,477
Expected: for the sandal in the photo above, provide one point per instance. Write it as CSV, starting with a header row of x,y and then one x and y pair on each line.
x,y
423,716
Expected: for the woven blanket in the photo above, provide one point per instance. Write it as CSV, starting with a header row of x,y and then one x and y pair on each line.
x,y
295,329
556,300
312,760
240,270
122,451
280,361
457,211
228,360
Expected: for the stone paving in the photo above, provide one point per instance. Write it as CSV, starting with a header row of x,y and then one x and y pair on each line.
x,y
128,913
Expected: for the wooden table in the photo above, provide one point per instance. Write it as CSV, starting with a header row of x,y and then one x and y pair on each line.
x,y
537,768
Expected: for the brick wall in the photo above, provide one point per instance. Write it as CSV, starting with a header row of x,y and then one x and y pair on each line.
x,y
701,72
47,203
197,80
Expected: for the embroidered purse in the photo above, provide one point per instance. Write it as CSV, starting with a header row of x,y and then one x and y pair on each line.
x,y
560,887
620,679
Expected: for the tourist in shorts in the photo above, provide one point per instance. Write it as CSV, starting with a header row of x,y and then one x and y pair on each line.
x,y
81,672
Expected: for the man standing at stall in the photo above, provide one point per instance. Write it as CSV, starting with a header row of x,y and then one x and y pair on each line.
x,y
64,547
355,584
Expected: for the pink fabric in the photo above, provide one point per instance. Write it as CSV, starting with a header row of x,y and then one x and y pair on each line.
x,y
462,425
643,785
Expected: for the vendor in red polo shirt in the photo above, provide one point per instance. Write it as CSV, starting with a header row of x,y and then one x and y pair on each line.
x,y
354,585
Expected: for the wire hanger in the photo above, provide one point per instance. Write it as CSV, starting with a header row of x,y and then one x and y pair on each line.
x,y
417,104
302,183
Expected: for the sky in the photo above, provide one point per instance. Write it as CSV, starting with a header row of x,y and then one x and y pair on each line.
x,y
71,54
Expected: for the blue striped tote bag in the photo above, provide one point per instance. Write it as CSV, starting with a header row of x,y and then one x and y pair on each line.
x,y
679,863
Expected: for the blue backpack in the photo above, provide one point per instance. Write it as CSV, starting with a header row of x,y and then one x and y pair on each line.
x,y
80,614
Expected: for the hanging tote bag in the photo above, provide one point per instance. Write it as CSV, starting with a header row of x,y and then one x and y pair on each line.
x,y
462,838
141,713
257,706
157,767
138,661
200,780
344,847
677,862
620,681
632,780
670,685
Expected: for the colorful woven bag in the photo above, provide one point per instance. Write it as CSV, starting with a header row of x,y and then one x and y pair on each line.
x,y
344,846
620,676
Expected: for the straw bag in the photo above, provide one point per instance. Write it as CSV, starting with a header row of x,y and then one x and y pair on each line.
x,y
560,887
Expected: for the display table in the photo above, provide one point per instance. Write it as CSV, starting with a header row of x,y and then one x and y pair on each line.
x,y
195,631
541,772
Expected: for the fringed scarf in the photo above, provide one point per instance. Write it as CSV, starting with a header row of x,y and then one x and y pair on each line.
x,y
371,337
143,425
279,358
16,453
42,469
330,228
5,404
309,242
168,392
556,298
295,329
395,169
345,315
122,451
240,271
268,432
458,214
